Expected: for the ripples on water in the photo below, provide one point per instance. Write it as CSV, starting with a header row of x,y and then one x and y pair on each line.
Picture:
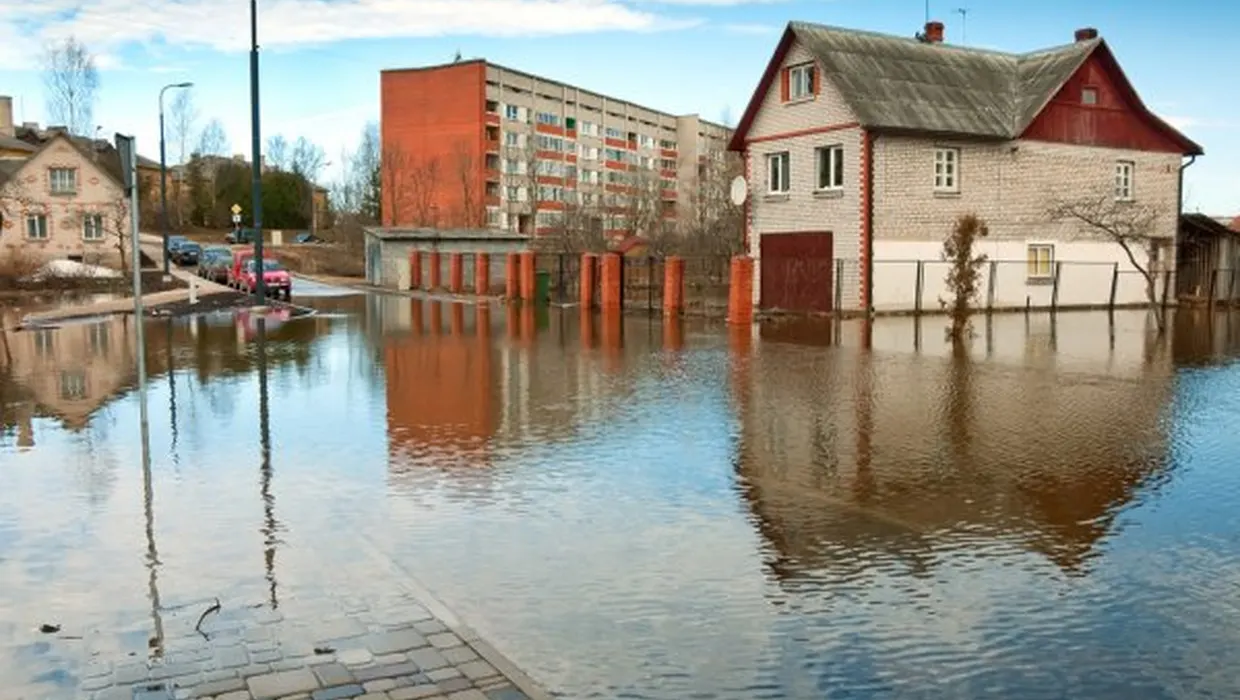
x,y
684,514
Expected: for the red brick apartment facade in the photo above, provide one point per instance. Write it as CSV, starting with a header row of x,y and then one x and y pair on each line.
x,y
475,144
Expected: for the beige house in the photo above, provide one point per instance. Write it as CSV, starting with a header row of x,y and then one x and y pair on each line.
x,y
61,199
862,150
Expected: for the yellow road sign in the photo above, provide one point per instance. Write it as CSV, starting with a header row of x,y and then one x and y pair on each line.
x,y
236,208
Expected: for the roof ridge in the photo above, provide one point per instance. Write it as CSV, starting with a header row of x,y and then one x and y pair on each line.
x,y
939,46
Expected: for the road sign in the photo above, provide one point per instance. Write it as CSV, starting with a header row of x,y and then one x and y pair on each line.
x,y
236,210
236,218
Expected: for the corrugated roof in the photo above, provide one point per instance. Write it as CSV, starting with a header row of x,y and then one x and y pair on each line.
x,y
897,83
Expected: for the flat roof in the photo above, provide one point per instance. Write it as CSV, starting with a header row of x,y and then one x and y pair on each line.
x,y
396,233
553,81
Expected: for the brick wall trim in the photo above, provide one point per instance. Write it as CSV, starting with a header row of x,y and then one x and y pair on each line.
x,y
803,132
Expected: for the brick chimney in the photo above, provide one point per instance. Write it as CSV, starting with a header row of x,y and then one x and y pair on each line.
x,y
7,128
1086,34
934,32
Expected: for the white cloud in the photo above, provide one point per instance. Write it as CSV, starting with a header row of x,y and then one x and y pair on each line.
x,y
742,28
108,24
1185,123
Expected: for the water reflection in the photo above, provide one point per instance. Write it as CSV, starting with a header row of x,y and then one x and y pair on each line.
x,y
651,508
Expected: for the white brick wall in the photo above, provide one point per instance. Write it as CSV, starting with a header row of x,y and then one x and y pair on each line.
x,y
803,209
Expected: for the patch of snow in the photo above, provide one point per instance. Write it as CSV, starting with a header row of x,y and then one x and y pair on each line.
x,y
69,268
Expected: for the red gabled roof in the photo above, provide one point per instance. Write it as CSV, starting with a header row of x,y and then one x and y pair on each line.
x,y
759,95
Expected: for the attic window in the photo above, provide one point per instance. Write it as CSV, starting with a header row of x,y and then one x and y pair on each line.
x,y
800,82
1089,96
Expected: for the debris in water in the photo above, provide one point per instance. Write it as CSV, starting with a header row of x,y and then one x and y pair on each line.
x,y
49,629
324,650
215,607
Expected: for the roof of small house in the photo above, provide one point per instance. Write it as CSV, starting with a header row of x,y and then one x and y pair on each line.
x,y
388,233
1204,225
102,153
903,84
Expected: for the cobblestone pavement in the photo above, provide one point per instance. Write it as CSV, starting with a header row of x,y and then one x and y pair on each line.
x,y
395,643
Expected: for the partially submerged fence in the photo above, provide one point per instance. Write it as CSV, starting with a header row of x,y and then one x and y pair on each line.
x,y
643,281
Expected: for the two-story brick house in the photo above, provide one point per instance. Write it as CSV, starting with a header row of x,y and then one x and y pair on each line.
x,y
63,200
862,150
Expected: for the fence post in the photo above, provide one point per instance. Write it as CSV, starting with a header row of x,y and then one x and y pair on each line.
x,y
990,285
482,274
1055,288
1114,286
612,291
415,269
673,285
838,302
1166,287
740,291
623,278
921,276
512,276
433,271
527,275
1213,287
456,273
585,281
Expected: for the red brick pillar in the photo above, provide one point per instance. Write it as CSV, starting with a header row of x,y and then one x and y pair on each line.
x,y
482,322
673,333
586,280
432,263
512,276
513,321
436,318
740,291
527,275
482,274
587,328
415,316
415,270
529,326
456,321
456,273
609,277
673,286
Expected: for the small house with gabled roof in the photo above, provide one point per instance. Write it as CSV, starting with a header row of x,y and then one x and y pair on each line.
x,y
862,150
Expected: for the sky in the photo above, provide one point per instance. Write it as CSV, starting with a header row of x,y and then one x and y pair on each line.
x,y
320,59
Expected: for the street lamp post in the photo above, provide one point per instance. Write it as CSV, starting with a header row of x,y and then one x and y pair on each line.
x,y
260,284
163,172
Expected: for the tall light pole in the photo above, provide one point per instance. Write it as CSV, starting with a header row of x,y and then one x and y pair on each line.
x,y
163,172
256,147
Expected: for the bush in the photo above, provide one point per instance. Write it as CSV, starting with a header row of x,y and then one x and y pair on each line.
x,y
964,277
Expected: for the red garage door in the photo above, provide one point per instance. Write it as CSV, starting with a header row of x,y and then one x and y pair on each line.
x,y
797,271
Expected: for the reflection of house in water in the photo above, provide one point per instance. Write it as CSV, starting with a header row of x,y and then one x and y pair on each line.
x,y
848,457
68,372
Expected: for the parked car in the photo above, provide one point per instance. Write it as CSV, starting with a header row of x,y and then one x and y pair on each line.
x,y
214,262
236,266
241,235
305,238
176,241
186,253
277,279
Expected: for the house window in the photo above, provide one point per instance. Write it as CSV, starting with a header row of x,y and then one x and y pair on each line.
x,y
1123,180
92,227
830,167
43,342
778,172
1089,96
548,118
800,82
947,170
98,335
1041,257
72,386
36,227
512,138
63,180
512,112
493,218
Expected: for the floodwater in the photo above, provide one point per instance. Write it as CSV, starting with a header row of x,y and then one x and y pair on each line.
x,y
641,510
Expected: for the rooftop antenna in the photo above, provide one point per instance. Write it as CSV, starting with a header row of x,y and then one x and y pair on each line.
x,y
964,23
927,11
457,57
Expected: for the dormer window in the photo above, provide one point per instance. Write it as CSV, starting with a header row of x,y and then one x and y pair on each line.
x,y
800,82
1089,96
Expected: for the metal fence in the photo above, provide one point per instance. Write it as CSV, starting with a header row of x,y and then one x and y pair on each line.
x,y
642,281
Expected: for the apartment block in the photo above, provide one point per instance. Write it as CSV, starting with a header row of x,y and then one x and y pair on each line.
x,y
473,144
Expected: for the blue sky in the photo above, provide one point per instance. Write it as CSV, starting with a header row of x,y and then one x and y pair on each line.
x,y
321,58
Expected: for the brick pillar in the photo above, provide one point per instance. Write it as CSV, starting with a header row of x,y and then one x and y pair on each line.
x,y
513,321
456,273
456,321
673,286
432,263
586,280
529,327
673,333
612,338
436,318
482,322
740,291
609,276
415,270
527,275
587,328
482,274
415,316
512,276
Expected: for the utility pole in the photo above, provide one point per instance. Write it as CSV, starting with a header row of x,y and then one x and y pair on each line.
x,y
256,148
964,24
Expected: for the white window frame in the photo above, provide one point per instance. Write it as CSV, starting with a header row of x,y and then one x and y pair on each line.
x,y
1124,177
834,170
947,169
801,82
778,172
56,180
40,218
1033,267
92,227
512,113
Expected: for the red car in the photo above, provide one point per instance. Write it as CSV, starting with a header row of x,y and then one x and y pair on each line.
x,y
277,279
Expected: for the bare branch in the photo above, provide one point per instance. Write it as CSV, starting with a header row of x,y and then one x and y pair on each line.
x,y
277,152
182,116
212,140
71,84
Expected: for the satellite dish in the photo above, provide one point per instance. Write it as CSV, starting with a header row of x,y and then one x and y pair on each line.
x,y
740,190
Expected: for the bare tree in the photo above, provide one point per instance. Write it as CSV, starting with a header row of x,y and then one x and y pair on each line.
x,y
182,117
641,210
212,140
306,159
423,181
1133,226
709,223
277,152
71,84
473,208
408,188
364,172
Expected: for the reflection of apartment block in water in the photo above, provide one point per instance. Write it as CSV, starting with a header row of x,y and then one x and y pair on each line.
x,y
504,148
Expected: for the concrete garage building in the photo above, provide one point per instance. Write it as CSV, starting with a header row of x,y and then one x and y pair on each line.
x,y
388,253
861,151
